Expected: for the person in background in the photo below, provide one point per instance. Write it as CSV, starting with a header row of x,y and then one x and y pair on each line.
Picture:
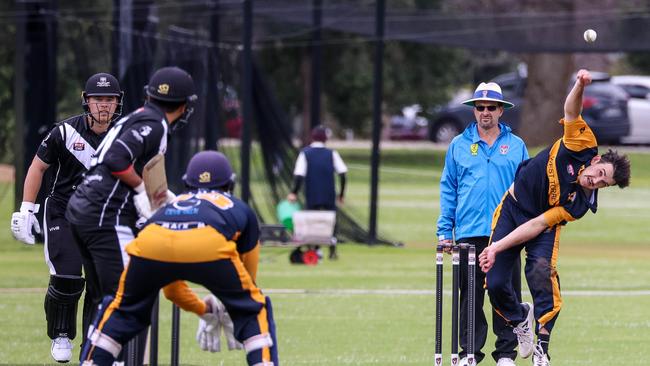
x,y
316,166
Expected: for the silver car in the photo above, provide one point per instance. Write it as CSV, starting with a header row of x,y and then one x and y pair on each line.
x,y
638,87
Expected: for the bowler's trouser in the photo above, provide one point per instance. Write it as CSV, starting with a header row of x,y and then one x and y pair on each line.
x,y
541,269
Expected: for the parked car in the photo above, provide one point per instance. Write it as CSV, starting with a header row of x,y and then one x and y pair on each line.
x,y
410,125
604,109
638,107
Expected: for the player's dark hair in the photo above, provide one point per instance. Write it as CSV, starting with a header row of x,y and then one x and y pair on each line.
x,y
621,165
167,107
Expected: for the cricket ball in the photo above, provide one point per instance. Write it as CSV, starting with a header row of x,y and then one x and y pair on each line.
x,y
590,36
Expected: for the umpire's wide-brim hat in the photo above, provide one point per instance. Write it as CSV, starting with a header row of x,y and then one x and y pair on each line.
x,y
489,92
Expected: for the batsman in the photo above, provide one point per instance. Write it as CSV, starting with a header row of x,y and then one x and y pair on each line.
x,y
558,185
67,150
206,236
104,209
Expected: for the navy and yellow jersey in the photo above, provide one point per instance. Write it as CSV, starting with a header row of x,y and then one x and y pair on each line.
x,y
547,184
199,226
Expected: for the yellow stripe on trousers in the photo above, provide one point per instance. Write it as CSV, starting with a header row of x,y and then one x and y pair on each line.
x,y
557,297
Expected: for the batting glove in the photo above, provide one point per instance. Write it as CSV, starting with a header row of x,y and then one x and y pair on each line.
x,y
209,330
24,221
141,202
170,196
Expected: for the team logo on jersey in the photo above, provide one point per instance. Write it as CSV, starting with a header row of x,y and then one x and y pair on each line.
x,y
103,83
204,177
473,148
582,129
145,130
78,146
504,149
569,169
163,89
572,197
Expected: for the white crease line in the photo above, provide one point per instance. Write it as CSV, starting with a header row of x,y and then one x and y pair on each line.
x,y
416,292
584,293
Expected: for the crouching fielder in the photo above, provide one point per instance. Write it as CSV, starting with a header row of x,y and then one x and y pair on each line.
x,y
205,236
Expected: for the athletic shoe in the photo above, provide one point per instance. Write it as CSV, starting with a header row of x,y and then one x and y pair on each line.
x,y
524,332
61,349
505,361
539,357
333,255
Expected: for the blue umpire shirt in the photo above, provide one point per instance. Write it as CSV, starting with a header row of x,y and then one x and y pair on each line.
x,y
474,180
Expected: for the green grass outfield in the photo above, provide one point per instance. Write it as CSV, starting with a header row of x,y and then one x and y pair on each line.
x,y
375,305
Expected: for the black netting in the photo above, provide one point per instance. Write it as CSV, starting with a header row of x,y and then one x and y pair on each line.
x,y
131,38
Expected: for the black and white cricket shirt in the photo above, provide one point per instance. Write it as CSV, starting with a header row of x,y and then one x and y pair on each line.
x,y
102,199
68,149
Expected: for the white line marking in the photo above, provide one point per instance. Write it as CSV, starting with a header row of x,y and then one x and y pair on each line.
x,y
389,292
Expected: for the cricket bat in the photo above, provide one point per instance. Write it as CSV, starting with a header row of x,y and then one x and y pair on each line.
x,y
155,181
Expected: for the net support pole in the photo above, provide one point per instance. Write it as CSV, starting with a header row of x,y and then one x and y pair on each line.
x,y
376,119
247,91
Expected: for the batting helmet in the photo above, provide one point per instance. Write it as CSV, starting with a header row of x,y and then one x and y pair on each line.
x,y
173,85
170,84
209,169
102,85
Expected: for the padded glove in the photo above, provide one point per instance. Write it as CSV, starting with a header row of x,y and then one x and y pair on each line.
x,y
24,221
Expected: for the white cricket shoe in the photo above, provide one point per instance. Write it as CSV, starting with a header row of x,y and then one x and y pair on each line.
x,y
524,332
539,357
505,361
61,349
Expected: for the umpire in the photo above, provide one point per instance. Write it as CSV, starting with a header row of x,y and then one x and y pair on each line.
x,y
68,149
104,209
479,166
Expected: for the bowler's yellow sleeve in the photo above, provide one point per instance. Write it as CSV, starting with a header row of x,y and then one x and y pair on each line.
x,y
557,215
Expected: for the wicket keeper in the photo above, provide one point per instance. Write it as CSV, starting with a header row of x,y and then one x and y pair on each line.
x,y
205,236
555,187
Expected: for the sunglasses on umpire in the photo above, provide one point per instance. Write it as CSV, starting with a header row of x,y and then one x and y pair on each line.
x,y
490,108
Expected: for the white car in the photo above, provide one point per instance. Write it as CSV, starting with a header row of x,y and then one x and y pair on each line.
x,y
638,87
